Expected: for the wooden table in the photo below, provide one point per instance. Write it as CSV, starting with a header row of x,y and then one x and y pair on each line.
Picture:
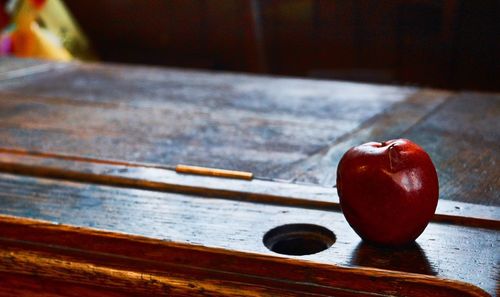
x,y
91,204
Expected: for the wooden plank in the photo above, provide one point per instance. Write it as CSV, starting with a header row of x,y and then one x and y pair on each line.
x,y
321,167
459,132
152,177
280,142
443,250
228,121
163,135
132,277
148,86
10,64
464,137
171,269
23,285
16,68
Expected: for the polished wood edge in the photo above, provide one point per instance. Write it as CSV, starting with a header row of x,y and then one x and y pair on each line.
x,y
24,235
205,171
110,272
122,174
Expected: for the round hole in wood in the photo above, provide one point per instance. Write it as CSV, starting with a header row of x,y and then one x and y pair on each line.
x,y
298,239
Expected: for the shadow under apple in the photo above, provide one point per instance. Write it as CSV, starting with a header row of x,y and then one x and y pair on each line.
x,y
410,258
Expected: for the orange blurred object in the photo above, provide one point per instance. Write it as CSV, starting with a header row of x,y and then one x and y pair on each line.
x,y
31,41
43,29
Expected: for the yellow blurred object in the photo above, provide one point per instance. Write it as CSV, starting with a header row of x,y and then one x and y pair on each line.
x,y
34,42
47,30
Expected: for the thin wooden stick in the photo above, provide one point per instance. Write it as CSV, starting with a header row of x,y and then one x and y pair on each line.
x,y
180,168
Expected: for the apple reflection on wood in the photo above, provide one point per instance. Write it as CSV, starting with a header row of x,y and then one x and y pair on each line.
x,y
388,191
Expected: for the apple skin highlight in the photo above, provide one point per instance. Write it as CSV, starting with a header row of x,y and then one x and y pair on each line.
x,y
388,191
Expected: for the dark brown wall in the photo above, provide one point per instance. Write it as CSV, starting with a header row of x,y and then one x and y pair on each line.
x,y
448,43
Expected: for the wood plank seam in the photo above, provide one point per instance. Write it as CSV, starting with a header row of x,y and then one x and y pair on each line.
x,y
369,123
116,175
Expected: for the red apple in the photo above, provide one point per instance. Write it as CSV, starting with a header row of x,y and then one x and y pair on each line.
x,y
388,191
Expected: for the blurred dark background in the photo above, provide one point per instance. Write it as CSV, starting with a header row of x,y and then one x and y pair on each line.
x,y
444,44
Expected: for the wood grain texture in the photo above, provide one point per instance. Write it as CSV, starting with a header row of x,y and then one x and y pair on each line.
x,y
320,168
228,121
8,64
447,251
277,128
16,68
23,285
152,177
111,260
109,135
464,137
461,135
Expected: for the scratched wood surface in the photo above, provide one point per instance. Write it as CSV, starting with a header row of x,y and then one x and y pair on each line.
x,y
92,146
444,250
462,135
151,177
169,117
277,128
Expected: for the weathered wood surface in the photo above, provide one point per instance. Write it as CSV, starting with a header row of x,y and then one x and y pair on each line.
x,y
462,136
443,250
87,261
111,135
151,177
168,117
277,128
15,68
